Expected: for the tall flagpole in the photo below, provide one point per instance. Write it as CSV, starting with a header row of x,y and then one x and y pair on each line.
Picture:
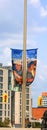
x,y
24,68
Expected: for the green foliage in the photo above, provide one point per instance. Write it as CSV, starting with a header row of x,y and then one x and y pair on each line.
x,y
36,125
5,123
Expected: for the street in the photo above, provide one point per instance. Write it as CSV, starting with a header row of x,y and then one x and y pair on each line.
x,y
20,128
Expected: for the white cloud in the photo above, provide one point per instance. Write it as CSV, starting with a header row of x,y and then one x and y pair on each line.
x,y
35,3
41,77
43,11
38,62
6,52
9,63
16,40
13,41
39,29
10,39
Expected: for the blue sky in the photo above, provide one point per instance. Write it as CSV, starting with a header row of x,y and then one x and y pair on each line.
x,y
11,36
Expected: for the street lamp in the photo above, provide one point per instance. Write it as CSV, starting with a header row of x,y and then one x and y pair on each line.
x,y
24,68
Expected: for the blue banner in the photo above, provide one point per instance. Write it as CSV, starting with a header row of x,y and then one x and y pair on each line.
x,y
17,66
31,65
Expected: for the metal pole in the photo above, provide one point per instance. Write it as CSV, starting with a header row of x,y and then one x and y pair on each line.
x,y
24,68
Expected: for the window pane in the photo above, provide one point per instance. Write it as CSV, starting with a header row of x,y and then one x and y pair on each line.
x,y
1,85
8,106
9,73
5,106
27,102
27,90
27,96
0,106
27,108
1,79
8,100
1,72
0,99
1,92
5,113
0,113
8,113
8,93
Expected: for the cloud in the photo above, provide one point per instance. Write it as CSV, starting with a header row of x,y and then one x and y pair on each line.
x,y
39,29
34,3
15,40
43,11
38,62
41,71
11,40
37,4
41,77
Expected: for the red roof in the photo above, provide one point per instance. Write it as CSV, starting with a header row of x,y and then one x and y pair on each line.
x,y
37,113
44,94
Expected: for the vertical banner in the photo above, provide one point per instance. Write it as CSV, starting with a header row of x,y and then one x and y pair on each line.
x,y
31,65
17,67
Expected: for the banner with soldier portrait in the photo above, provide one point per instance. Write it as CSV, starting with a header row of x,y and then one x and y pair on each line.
x,y
17,66
31,65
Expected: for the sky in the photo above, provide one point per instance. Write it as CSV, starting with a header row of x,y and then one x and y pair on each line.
x,y
11,36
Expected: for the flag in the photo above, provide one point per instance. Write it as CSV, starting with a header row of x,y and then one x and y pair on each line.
x,y
17,66
31,57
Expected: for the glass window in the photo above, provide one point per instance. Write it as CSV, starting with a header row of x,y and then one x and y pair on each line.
x,y
8,113
0,113
20,120
20,95
20,107
1,72
27,90
1,91
27,108
0,106
9,80
20,113
8,106
27,102
27,116
1,79
8,100
20,101
1,85
8,93
27,96
0,99
9,73
5,106
5,113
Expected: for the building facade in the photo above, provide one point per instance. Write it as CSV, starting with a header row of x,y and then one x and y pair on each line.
x,y
42,100
5,81
17,107
12,108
